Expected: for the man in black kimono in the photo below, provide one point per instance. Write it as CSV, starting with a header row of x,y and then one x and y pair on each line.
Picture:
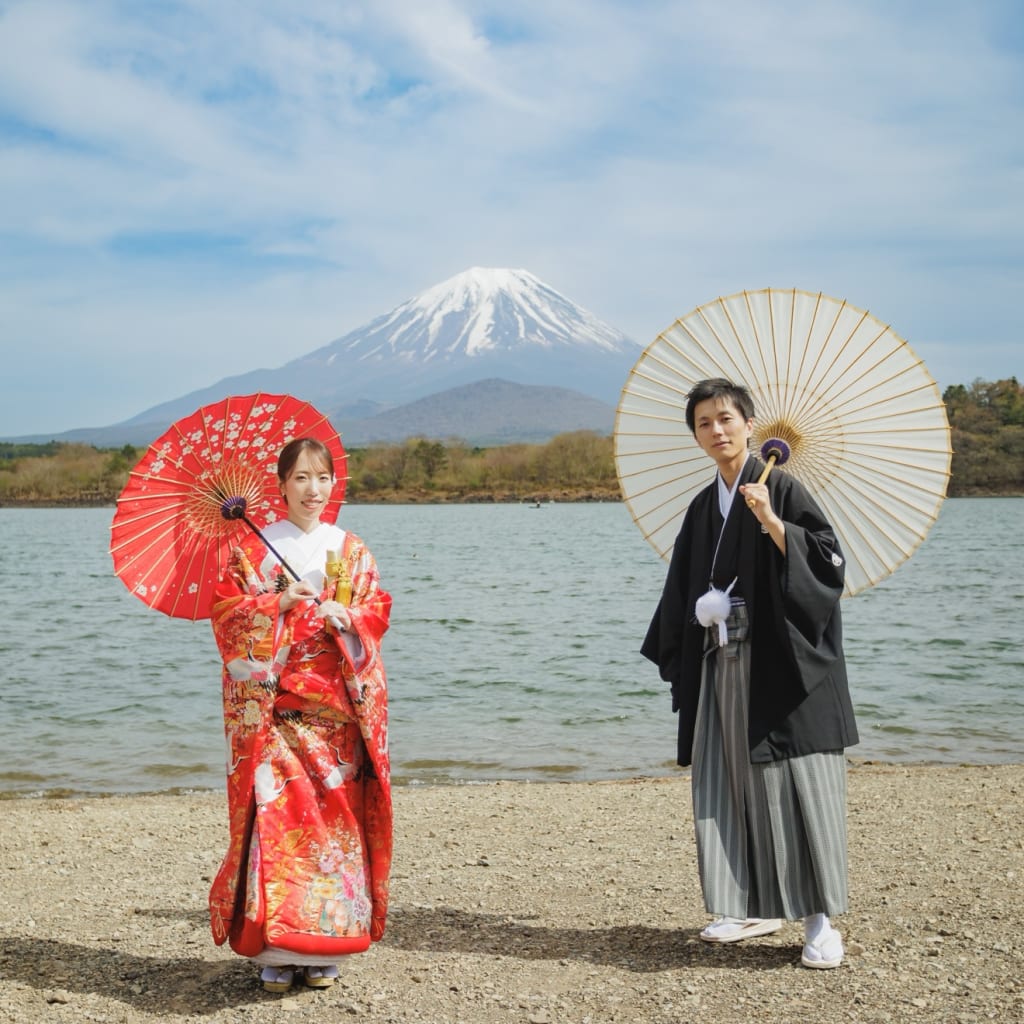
x,y
749,637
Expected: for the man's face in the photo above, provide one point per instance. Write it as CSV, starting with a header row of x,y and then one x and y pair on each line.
x,y
721,430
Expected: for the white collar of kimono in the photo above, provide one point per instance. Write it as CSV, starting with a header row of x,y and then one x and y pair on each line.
x,y
305,552
713,608
726,494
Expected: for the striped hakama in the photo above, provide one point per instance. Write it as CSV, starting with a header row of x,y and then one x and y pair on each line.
x,y
771,838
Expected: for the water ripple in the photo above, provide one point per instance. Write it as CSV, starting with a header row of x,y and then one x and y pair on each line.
x,y
513,652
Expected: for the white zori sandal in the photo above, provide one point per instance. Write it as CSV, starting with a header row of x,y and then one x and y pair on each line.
x,y
825,952
735,929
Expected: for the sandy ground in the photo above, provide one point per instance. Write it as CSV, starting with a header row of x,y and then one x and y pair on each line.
x,y
533,903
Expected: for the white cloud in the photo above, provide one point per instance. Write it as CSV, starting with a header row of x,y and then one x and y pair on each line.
x,y
224,186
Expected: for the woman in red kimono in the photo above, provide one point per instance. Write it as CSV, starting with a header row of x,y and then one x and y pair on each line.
x,y
305,878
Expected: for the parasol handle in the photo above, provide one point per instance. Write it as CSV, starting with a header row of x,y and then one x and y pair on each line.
x,y
773,451
234,508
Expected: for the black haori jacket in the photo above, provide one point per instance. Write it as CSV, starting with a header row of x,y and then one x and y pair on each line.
x,y
799,695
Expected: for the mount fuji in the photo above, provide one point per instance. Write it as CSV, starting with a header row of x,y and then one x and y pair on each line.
x,y
434,352
483,323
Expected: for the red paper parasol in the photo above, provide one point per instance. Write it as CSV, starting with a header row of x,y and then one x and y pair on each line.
x,y
199,487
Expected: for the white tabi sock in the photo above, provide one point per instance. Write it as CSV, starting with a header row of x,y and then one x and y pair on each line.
x,y
816,925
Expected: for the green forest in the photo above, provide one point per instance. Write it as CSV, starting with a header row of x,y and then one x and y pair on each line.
x,y
986,420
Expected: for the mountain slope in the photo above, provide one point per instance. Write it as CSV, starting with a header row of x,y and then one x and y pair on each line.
x,y
479,311
486,412
483,323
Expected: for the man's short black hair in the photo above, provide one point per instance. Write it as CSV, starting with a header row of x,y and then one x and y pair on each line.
x,y
718,387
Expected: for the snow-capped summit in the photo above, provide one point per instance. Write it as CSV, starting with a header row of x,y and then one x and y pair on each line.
x,y
483,323
484,309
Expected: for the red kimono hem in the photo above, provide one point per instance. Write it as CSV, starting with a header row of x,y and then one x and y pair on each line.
x,y
251,942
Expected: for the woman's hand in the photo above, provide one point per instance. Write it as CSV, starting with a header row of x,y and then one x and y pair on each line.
x,y
294,593
335,610
303,590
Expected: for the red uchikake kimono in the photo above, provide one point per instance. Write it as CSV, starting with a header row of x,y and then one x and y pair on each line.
x,y
308,783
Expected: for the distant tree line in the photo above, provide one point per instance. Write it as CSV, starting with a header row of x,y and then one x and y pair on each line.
x,y
986,420
577,465
58,473
574,466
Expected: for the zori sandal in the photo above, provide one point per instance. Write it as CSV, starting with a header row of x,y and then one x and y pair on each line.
x,y
320,977
277,979
825,952
734,929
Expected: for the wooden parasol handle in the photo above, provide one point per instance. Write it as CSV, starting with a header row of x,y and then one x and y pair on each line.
x,y
773,451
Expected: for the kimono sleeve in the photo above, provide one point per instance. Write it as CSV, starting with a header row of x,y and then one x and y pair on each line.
x,y
245,619
813,576
369,608
674,638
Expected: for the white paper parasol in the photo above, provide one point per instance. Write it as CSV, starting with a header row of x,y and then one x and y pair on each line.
x,y
864,421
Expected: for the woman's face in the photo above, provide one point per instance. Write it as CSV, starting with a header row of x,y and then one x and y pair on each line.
x,y
307,491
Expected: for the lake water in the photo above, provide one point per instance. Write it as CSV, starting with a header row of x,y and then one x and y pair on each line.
x,y
513,651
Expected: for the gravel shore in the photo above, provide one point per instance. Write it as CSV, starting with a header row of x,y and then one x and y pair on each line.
x,y
533,903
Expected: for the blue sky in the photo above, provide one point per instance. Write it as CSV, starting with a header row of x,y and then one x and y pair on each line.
x,y
196,189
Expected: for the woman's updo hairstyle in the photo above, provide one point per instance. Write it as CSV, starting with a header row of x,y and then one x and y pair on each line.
x,y
293,449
